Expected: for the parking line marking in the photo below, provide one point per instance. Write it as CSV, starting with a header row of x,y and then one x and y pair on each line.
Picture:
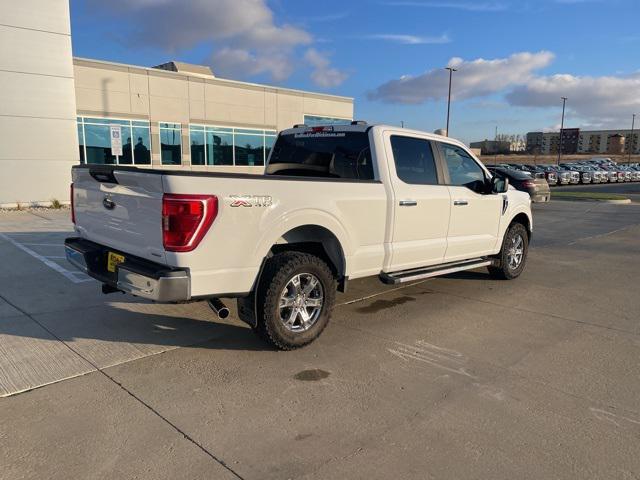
x,y
44,244
53,265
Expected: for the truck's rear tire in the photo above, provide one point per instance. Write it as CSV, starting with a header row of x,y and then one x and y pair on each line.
x,y
295,299
513,255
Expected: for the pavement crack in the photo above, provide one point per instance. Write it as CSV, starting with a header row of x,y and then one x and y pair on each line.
x,y
184,434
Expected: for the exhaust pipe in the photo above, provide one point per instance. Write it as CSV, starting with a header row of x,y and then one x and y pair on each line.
x,y
218,308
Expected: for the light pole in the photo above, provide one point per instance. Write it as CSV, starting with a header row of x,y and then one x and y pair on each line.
x,y
631,142
451,70
564,101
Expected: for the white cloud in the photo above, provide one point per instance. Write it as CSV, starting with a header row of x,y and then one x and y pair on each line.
x,y
246,39
607,100
323,74
476,78
468,6
410,39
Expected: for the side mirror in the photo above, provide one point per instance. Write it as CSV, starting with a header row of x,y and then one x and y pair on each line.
x,y
499,184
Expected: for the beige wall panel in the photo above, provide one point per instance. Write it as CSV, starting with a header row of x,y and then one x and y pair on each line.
x,y
234,95
47,15
31,51
139,83
196,110
35,180
163,109
270,118
234,114
101,78
287,119
106,103
289,101
28,135
328,108
36,96
139,104
168,87
196,89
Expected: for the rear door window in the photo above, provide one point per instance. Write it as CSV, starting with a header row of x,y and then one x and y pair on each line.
x,y
414,161
328,154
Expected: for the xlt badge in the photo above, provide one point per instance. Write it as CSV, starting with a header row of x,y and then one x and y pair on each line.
x,y
251,201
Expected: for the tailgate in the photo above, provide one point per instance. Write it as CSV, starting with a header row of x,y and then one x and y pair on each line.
x,y
120,209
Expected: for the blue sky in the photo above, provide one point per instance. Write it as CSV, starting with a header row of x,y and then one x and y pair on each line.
x,y
515,58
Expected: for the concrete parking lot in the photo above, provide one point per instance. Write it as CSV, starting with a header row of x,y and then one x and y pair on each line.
x,y
457,377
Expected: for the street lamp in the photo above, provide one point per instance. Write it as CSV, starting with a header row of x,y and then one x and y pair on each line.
x,y
564,101
633,121
451,70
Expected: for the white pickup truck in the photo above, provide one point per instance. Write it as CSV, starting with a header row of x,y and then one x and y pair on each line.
x,y
335,203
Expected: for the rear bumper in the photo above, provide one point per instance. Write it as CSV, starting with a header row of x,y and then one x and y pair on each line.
x,y
136,276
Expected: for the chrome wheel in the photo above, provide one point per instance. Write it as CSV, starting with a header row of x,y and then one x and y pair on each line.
x,y
515,253
301,302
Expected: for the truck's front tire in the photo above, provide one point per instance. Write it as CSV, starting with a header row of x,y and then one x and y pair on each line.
x,y
513,256
295,299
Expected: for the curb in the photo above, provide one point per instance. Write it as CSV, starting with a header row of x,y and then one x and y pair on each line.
x,y
625,201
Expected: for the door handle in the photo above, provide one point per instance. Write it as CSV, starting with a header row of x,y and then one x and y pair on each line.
x,y
408,203
460,203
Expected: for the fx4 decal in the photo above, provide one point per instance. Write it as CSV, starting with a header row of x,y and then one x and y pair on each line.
x,y
251,201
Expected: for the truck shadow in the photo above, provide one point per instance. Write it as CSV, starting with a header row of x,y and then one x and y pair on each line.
x,y
114,329
63,303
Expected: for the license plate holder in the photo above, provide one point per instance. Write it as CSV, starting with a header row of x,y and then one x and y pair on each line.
x,y
113,260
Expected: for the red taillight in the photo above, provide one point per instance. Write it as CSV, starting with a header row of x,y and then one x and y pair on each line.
x,y
528,183
186,219
73,210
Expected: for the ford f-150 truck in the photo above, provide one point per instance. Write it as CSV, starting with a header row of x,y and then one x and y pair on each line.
x,y
335,203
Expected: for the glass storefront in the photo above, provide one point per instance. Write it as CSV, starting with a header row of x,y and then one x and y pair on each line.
x,y
95,142
171,143
212,145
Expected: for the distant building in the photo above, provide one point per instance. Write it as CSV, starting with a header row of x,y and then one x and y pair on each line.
x,y
616,144
492,147
534,142
575,140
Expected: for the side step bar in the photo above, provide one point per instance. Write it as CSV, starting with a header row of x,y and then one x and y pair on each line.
x,y
403,276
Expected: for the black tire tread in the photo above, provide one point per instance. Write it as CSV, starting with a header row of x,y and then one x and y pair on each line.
x,y
277,271
502,272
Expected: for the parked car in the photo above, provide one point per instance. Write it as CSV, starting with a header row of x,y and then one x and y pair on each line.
x,y
551,174
335,203
564,176
584,174
612,173
537,188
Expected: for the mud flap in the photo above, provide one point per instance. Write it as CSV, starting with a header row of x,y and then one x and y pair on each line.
x,y
247,309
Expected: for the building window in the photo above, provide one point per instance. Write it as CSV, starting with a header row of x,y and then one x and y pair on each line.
x,y
95,141
213,145
81,139
249,147
171,143
196,139
269,140
312,120
219,146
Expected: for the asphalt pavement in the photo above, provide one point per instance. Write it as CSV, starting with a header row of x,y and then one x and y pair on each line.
x,y
456,377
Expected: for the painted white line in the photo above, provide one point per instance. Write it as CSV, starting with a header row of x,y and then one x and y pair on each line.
x,y
44,244
49,263
52,257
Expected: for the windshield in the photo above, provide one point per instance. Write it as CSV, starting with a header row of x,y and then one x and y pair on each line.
x,y
325,154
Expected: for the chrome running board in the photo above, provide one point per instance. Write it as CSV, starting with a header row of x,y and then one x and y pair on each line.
x,y
403,276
